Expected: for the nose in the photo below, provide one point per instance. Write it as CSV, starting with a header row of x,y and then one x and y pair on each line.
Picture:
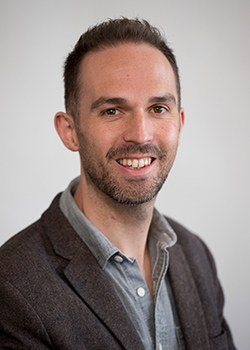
x,y
139,128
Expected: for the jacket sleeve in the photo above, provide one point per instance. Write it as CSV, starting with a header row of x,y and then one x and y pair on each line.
x,y
20,326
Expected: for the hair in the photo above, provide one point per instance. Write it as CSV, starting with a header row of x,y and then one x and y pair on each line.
x,y
109,34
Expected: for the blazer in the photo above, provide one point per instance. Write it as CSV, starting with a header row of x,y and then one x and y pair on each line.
x,y
54,294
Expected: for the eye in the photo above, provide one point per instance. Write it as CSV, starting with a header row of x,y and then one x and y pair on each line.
x,y
159,109
110,111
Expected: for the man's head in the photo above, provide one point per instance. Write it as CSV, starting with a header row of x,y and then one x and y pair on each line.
x,y
110,34
123,113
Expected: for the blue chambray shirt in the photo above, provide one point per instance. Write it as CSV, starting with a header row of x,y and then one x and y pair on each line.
x,y
156,322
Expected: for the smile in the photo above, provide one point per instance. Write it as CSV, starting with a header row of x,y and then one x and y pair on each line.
x,y
135,163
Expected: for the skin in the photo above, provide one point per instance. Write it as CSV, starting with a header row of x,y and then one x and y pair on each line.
x,y
127,110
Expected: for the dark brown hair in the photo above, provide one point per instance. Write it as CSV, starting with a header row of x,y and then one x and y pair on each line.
x,y
109,34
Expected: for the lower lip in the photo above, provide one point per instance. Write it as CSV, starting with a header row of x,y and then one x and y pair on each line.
x,y
144,171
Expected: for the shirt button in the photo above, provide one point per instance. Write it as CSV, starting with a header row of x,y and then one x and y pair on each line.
x,y
118,259
140,292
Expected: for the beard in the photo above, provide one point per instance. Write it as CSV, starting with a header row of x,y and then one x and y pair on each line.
x,y
130,191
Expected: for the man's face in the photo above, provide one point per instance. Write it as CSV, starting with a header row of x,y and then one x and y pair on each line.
x,y
129,121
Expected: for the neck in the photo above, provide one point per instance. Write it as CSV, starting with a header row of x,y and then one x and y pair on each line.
x,y
125,226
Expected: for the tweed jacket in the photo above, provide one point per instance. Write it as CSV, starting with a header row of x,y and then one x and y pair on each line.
x,y
54,294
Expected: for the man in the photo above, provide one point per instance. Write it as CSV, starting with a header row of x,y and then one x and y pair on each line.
x,y
102,268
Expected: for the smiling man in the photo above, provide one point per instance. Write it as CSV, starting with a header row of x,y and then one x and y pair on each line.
x,y
102,268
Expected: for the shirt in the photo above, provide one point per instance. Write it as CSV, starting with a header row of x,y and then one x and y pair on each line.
x,y
156,322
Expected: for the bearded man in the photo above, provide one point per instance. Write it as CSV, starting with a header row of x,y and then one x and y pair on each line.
x,y
102,268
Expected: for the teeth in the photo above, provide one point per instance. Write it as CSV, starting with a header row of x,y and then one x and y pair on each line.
x,y
141,163
135,163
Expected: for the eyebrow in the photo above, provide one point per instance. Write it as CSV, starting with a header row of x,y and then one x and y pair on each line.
x,y
106,100
163,99
122,101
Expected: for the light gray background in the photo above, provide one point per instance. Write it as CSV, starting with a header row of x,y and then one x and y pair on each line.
x,y
208,189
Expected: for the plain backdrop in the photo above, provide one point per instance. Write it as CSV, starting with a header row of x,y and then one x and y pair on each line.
x,y
208,189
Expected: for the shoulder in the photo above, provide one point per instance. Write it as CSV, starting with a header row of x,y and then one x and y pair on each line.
x,y
193,247
186,238
31,235
31,251
19,250
184,234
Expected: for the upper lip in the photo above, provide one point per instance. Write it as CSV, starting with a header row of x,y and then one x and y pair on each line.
x,y
135,156
134,152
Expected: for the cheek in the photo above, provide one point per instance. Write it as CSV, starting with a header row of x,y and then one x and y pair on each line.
x,y
101,139
107,134
168,136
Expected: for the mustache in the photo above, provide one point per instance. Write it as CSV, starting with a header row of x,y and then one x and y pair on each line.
x,y
128,150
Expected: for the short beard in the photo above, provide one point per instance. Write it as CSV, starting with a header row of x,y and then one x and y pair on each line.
x,y
116,192
134,193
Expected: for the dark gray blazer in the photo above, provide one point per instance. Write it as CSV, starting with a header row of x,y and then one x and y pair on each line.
x,y
54,295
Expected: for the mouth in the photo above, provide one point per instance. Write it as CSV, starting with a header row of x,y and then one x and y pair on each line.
x,y
135,163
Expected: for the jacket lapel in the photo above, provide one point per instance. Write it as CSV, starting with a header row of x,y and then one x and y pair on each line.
x,y
187,301
88,279
92,285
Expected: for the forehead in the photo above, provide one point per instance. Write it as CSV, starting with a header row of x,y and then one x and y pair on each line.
x,y
126,66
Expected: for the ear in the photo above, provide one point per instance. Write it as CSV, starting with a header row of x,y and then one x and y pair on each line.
x,y
182,120
65,128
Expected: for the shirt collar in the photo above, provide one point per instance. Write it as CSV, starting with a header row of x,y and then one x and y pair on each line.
x,y
160,231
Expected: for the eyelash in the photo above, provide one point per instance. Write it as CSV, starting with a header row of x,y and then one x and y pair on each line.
x,y
164,108
105,112
116,110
